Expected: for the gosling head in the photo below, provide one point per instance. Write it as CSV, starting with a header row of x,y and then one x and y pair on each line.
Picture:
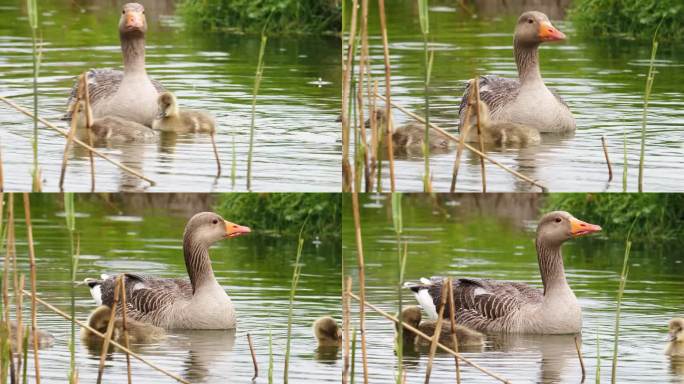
x,y
534,28
132,23
556,227
99,318
411,315
326,331
676,334
168,107
380,117
209,227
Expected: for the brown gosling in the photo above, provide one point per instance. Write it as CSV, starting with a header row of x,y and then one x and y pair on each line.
x,y
410,136
112,129
464,336
173,119
327,332
675,347
138,332
45,339
501,133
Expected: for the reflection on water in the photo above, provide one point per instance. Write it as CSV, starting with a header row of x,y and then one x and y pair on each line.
x,y
255,270
295,136
601,80
491,236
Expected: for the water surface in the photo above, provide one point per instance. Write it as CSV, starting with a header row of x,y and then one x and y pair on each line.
x,y
296,133
255,270
602,81
472,236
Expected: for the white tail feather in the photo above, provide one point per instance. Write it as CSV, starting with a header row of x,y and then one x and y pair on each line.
x,y
425,301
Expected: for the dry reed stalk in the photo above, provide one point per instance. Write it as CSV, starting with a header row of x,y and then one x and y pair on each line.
x,y
466,145
5,277
77,141
464,130
124,322
72,129
346,90
426,337
216,154
346,323
32,264
362,283
363,67
113,342
20,324
89,123
2,174
254,360
605,153
581,360
435,337
374,134
452,319
110,330
479,136
388,87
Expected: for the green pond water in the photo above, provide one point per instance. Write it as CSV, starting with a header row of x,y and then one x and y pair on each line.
x,y
492,236
602,81
255,270
296,134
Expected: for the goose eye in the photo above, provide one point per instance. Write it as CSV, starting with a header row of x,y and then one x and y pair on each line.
x,y
530,21
215,221
558,219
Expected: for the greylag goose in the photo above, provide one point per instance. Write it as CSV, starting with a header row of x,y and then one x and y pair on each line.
x,y
412,316
409,137
173,119
526,100
197,303
45,339
112,129
675,347
487,305
130,94
138,332
327,332
501,133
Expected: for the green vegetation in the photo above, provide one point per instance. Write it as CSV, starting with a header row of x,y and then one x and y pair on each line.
x,y
632,18
656,216
282,16
284,212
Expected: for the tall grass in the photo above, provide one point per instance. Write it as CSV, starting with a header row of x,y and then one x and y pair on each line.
x,y
32,9
397,220
423,11
70,218
598,359
647,95
296,273
34,288
621,290
255,91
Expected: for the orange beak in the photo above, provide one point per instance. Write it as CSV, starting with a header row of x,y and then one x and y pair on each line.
x,y
234,230
134,20
580,228
548,32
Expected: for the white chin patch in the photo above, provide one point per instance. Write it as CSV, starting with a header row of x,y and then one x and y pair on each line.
x,y
96,293
425,301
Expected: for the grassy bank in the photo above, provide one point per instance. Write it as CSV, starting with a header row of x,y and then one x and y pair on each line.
x,y
285,212
250,16
658,215
630,18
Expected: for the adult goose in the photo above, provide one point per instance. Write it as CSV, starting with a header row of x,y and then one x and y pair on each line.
x,y
526,100
129,94
675,347
412,316
495,306
197,303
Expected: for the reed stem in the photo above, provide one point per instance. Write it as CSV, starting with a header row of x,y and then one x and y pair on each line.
x,y
255,92
397,220
647,96
423,13
452,320
34,288
438,331
295,280
621,290
32,10
605,154
388,93
346,98
581,360
362,283
254,360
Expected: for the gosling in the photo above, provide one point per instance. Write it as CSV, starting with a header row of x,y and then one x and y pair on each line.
x,y
112,129
327,332
412,316
675,347
138,332
410,136
45,340
500,133
173,119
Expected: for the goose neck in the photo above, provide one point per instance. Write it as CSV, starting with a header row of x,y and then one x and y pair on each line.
x,y
133,50
551,267
197,262
527,61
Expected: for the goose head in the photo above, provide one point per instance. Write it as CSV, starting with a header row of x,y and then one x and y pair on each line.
x,y
168,106
411,315
676,334
534,28
556,227
208,227
326,330
132,22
